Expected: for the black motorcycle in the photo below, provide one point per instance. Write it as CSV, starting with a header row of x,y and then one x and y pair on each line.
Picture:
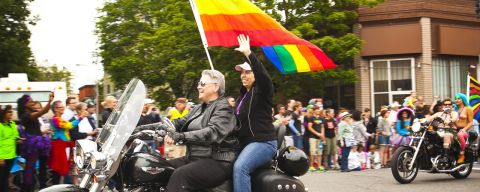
x,y
426,152
120,159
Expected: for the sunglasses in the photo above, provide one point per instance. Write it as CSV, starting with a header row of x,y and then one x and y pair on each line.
x,y
203,84
447,104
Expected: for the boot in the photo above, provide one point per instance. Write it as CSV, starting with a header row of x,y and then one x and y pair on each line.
x,y
446,152
461,157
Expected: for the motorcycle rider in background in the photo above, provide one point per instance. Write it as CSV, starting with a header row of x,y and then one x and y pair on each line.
x,y
207,133
449,117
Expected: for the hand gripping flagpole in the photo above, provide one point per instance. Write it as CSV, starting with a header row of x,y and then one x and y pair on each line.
x,y
198,20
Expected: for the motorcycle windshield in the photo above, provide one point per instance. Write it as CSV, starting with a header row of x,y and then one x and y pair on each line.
x,y
122,121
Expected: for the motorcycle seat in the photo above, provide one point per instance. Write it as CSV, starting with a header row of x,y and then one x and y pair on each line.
x,y
227,186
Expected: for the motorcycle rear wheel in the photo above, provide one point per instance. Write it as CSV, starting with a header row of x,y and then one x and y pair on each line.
x,y
463,173
400,162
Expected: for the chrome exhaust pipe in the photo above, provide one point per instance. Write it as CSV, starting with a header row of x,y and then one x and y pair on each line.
x,y
453,170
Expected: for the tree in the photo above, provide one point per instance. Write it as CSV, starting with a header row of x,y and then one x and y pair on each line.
x,y
53,73
328,24
15,54
158,42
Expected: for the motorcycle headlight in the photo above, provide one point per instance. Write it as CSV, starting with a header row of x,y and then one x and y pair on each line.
x,y
79,157
82,150
98,160
416,127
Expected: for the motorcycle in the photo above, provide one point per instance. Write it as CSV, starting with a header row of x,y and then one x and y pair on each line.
x,y
425,152
120,159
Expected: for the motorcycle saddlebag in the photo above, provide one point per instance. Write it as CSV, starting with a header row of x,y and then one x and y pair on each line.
x,y
269,180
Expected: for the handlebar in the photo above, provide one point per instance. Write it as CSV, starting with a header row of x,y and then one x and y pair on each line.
x,y
153,130
154,127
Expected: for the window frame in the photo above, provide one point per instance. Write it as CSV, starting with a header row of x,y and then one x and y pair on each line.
x,y
389,76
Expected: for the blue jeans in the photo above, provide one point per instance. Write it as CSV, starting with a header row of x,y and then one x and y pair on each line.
x,y
252,156
344,160
298,141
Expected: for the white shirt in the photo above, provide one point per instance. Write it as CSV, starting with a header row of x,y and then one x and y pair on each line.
x,y
393,116
353,160
85,127
375,159
68,114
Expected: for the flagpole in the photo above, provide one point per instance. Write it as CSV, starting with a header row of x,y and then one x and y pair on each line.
x,y
198,20
468,87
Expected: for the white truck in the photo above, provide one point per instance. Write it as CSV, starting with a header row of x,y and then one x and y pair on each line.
x,y
17,84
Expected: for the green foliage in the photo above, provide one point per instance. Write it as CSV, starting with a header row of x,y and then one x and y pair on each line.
x,y
53,73
158,42
15,54
327,24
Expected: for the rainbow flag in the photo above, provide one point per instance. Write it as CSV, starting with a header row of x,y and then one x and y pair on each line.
x,y
223,20
474,97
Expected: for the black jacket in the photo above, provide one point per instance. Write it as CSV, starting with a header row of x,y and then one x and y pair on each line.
x,y
215,139
371,125
105,114
255,118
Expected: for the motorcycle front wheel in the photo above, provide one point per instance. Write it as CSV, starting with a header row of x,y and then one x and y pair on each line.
x,y
401,160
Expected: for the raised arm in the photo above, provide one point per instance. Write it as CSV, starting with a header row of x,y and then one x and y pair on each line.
x,y
58,122
37,114
435,99
262,79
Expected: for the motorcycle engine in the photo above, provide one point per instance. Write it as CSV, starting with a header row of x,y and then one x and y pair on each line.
x,y
443,163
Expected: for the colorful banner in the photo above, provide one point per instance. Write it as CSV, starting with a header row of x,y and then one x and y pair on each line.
x,y
474,97
223,20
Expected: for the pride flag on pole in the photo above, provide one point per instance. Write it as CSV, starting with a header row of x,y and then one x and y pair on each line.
x,y
474,96
221,21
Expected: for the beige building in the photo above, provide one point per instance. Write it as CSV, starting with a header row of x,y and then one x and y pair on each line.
x,y
427,46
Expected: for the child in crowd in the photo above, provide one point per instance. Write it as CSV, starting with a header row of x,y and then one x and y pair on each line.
x,y
363,157
354,162
374,158
16,172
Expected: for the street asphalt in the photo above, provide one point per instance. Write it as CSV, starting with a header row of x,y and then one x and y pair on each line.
x,y
381,180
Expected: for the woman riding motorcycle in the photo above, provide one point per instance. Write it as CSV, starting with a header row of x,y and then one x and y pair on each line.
x,y
405,118
464,123
449,117
253,109
207,133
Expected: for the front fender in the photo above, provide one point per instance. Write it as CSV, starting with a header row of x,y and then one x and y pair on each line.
x,y
64,188
403,146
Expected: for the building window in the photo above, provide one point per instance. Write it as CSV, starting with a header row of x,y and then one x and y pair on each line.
x,y
392,80
450,75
